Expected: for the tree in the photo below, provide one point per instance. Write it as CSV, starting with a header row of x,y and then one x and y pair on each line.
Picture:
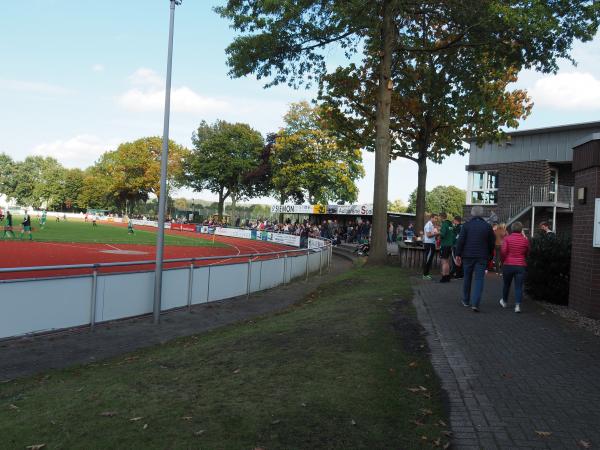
x,y
8,180
308,162
286,41
396,206
37,181
440,101
448,199
224,155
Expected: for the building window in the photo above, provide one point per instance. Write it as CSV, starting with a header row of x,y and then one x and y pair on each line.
x,y
483,188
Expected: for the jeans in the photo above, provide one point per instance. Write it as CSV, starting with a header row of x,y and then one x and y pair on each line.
x,y
429,253
518,273
476,267
497,260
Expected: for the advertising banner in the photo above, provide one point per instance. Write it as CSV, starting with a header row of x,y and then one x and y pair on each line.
x,y
183,227
291,209
286,239
233,232
315,243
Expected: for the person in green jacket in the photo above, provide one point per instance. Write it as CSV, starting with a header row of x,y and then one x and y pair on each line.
x,y
446,243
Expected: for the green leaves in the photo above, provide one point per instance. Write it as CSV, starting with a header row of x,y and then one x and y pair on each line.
x,y
224,156
308,159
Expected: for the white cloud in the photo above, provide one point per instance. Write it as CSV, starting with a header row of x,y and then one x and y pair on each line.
x,y
149,95
79,151
38,87
98,67
146,77
570,90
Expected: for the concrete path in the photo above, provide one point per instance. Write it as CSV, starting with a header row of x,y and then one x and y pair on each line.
x,y
31,355
514,381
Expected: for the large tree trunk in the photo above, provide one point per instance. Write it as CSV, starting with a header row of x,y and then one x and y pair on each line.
x,y
281,202
220,207
378,251
233,212
421,192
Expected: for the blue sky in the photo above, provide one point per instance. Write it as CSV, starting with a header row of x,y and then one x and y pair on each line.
x,y
79,77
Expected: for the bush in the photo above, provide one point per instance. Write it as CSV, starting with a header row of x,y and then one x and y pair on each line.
x,y
549,265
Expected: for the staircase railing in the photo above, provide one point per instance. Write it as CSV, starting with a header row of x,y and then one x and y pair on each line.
x,y
521,203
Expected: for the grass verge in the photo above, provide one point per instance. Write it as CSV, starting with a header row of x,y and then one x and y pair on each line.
x,y
346,368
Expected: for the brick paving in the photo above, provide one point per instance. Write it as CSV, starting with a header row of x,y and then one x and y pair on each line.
x,y
508,376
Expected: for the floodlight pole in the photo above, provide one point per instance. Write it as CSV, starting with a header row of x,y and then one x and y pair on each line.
x,y
162,199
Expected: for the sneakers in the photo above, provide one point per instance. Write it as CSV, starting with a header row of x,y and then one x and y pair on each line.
x,y
474,308
517,308
445,279
465,303
503,303
427,277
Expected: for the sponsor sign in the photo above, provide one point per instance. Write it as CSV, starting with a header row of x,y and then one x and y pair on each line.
x,y
345,210
183,227
233,232
315,243
286,239
292,209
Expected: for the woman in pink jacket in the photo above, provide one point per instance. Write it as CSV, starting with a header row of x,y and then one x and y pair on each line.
x,y
515,249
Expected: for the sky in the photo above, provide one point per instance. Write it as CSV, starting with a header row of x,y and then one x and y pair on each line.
x,y
79,77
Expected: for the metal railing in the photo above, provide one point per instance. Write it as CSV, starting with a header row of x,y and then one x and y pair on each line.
x,y
561,197
85,299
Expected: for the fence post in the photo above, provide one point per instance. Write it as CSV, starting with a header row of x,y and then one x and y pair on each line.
x,y
284,268
190,287
208,287
93,299
321,262
307,254
249,278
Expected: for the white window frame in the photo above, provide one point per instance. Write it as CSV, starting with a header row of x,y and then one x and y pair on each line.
x,y
472,188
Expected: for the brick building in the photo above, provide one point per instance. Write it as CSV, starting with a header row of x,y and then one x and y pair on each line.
x,y
528,176
547,174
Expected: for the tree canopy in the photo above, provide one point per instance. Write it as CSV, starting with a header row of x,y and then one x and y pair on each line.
x,y
448,199
287,41
224,157
308,161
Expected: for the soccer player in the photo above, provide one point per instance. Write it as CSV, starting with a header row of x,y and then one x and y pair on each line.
x,y
26,227
130,227
94,219
43,219
8,225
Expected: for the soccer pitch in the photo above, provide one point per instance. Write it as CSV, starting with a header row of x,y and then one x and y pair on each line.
x,y
103,233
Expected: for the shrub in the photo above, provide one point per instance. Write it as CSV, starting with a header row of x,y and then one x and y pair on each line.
x,y
549,265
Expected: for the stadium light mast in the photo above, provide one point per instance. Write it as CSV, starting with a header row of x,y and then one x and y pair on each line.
x,y
162,199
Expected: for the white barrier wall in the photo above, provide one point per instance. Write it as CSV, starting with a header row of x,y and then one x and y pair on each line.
x,y
33,306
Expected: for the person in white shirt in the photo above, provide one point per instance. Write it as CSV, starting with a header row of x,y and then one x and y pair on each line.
x,y
430,233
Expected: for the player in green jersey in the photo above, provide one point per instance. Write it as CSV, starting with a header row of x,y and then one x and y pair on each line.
x,y
8,225
43,219
130,227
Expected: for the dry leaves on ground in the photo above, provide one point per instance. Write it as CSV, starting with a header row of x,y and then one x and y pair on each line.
x,y
108,413
544,434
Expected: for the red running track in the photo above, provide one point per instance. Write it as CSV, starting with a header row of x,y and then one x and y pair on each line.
x,y
31,253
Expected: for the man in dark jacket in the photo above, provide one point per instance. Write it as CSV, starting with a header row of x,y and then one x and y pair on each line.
x,y
473,250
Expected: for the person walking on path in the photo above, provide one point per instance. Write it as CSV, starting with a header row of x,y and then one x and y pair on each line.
x,y
473,250
455,270
430,232
446,243
500,232
515,249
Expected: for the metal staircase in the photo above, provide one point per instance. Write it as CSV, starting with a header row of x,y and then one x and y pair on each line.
x,y
539,196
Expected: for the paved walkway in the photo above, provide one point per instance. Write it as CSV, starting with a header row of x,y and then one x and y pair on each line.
x,y
31,355
513,381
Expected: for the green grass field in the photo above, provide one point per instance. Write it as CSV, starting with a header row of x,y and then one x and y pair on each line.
x,y
346,369
79,231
